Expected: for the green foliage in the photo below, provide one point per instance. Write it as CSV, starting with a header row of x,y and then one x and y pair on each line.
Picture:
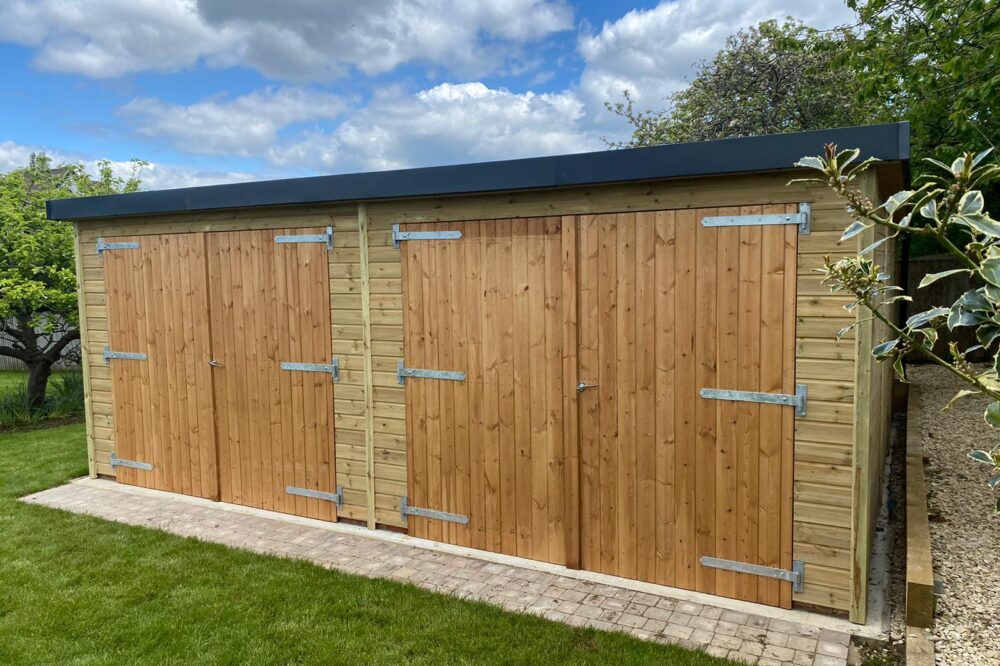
x,y
38,303
935,63
81,590
949,201
768,79
64,399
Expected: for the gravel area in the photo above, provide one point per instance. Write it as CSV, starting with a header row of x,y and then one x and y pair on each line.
x,y
965,534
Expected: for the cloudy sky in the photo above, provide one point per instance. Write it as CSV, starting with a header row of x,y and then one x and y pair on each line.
x,y
215,91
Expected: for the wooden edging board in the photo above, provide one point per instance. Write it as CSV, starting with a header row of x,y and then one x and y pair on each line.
x,y
920,598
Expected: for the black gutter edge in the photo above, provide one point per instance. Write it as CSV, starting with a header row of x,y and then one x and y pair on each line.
x,y
888,142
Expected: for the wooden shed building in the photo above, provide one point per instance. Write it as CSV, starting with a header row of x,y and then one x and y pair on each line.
x,y
619,361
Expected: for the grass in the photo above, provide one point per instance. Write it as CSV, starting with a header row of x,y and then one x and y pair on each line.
x,y
78,590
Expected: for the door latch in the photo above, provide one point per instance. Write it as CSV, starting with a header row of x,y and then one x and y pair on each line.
x,y
581,387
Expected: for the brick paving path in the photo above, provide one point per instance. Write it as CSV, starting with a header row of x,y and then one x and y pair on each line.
x,y
744,637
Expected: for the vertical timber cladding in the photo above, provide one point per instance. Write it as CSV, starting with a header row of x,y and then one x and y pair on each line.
x,y
211,408
270,305
161,416
669,307
488,448
665,307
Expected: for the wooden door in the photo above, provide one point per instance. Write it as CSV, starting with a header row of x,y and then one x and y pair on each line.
x,y
157,300
489,448
270,304
668,307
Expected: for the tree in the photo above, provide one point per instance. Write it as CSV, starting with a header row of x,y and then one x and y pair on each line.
x,y
949,202
769,79
935,63
38,304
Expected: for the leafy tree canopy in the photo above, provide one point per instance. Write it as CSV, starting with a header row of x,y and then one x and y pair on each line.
x,y
935,63
38,304
768,79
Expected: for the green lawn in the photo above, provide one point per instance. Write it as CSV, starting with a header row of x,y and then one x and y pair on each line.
x,y
78,590
11,378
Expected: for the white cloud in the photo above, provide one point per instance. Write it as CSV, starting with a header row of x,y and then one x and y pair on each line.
x,y
294,40
446,124
246,125
651,52
155,176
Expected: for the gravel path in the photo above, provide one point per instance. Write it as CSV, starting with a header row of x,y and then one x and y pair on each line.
x,y
965,535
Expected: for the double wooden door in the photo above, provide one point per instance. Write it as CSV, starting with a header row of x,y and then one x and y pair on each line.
x,y
579,435
199,325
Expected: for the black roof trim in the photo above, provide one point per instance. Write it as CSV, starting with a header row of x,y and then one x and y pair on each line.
x,y
889,142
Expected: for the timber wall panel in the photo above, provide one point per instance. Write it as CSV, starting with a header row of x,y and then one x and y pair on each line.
x,y
827,366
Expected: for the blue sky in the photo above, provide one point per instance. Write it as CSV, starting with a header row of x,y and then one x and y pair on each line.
x,y
214,91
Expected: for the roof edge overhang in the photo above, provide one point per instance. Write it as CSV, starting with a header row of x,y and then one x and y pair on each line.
x,y
887,142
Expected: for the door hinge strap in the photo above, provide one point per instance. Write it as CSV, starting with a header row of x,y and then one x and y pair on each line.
x,y
796,576
406,510
798,400
134,464
403,372
125,356
803,219
326,238
398,235
103,245
333,368
337,497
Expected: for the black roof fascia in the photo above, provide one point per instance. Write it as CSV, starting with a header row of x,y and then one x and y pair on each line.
x,y
889,142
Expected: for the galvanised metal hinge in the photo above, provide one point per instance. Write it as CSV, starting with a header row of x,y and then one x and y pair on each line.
x,y
403,372
406,510
398,235
134,464
326,238
103,245
337,497
798,400
796,576
803,219
125,356
333,369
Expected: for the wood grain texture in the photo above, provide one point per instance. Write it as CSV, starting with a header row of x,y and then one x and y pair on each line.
x,y
270,304
491,447
667,479
158,408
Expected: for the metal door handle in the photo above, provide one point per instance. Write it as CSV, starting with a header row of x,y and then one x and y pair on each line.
x,y
581,387
214,363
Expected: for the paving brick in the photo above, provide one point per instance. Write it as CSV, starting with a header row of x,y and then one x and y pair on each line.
x,y
801,643
832,649
711,612
739,636
749,633
654,626
827,660
680,618
703,623
728,642
689,608
631,621
830,636
777,653
701,637
727,628
716,651
803,658
678,631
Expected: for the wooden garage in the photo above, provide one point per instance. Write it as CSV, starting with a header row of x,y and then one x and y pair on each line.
x,y
619,361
